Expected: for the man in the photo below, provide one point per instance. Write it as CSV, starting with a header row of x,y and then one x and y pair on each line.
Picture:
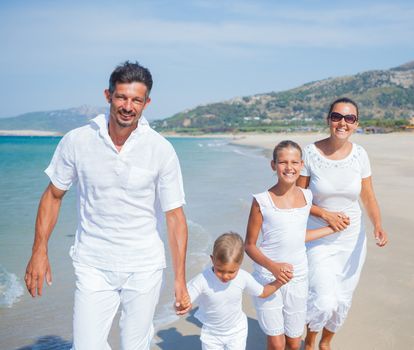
x,y
124,171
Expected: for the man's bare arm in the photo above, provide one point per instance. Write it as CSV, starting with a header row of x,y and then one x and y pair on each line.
x,y
177,238
38,269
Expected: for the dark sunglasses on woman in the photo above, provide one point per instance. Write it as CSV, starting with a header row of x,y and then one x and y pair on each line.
x,y
349,118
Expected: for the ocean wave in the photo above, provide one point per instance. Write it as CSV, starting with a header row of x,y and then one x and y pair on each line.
x,y
198,248
200,239
10,288
251,153
213,144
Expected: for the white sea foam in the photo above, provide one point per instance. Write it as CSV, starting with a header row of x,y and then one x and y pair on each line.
x,y
217,143
10,288
200,238
199,245
251,153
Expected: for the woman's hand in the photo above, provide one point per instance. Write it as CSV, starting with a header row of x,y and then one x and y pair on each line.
x,y
338,221
283,272
381,236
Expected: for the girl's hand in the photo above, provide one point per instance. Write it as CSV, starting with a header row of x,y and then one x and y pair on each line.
x,y
283,272
381,236
338,221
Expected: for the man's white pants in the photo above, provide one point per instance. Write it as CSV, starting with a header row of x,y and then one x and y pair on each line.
x,y
97,298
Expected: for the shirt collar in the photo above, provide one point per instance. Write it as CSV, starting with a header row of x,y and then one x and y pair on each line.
x,y
102,120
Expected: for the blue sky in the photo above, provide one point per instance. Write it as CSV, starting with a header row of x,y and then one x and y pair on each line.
x,y
59,54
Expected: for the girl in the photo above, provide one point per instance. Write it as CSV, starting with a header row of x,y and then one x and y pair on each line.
x,y
281,214
338,172
218,291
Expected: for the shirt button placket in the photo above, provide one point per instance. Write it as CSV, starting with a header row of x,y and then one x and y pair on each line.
x,y
119,166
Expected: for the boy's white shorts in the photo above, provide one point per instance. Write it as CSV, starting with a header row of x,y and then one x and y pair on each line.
x,y
234,341
284,312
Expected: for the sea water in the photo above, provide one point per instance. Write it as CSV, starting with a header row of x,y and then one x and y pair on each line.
x,y
219,179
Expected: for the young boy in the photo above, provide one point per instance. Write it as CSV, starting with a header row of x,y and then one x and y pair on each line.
x,y
218,292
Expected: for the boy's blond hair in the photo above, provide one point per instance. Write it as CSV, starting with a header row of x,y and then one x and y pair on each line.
x,y
229,247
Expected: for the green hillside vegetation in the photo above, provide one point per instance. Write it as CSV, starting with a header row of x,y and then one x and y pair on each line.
x,y
386,99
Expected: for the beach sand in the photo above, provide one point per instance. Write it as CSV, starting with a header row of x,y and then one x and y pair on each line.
x,y
382,313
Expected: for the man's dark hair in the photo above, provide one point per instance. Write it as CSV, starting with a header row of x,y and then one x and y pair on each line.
x,y
130,72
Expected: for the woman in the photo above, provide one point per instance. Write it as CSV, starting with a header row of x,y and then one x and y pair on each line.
x,y
337,172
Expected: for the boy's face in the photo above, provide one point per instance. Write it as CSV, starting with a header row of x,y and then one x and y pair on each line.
x,y
225,272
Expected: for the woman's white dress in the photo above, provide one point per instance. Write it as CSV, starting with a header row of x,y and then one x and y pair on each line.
x,y
335,261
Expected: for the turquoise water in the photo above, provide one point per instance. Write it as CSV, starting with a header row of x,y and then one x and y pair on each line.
x,y
219,179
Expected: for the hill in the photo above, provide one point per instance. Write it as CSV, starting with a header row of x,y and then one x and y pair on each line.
x,y
58,121
385,97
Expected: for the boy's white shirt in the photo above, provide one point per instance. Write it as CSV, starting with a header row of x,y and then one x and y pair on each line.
x,y
220,304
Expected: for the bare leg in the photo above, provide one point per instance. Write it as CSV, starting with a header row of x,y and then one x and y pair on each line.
x,y
325,343
293,343
276,342
310,339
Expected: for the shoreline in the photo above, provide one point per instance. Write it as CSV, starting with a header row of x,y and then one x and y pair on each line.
x,y
40,133
169,134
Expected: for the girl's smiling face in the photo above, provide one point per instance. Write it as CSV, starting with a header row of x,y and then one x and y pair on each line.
x,y
288,164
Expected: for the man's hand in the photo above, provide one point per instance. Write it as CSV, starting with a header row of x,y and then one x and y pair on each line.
x,y
37,270
177,238
182,299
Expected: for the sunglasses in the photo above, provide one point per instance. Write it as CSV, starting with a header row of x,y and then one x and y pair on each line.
x,y
349,118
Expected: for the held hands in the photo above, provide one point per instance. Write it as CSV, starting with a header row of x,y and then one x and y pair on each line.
x,y
37,270
282,271
182,300
183,306
338,221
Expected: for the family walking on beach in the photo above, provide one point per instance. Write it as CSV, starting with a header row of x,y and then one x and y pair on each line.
x,y
306,266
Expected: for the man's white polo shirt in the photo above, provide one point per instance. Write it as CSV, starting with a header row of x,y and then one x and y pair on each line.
x,y
118,194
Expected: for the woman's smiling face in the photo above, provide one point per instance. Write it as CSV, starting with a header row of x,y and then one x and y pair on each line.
x,y
342,129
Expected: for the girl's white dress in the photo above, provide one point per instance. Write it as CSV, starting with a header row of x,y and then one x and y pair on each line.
x,y
283,240
335,261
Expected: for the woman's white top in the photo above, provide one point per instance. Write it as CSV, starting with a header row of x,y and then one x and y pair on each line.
x,y
283,233
336,186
